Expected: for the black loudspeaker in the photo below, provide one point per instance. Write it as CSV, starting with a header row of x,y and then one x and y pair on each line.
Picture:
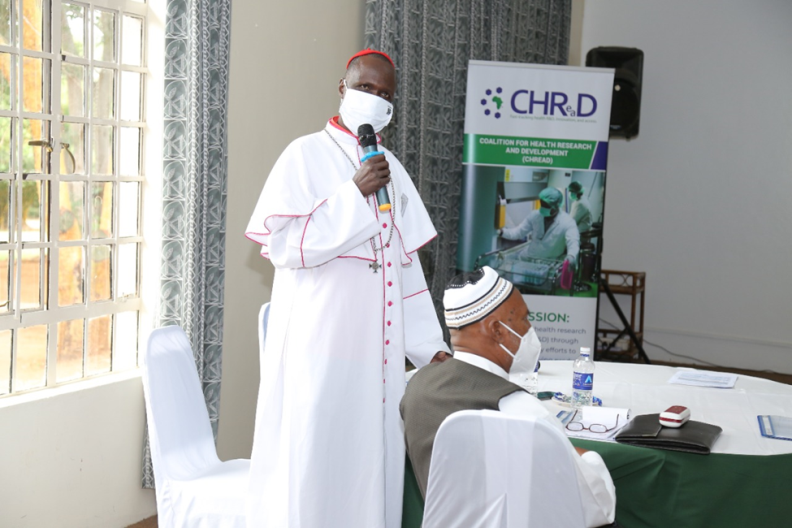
x,y
626,106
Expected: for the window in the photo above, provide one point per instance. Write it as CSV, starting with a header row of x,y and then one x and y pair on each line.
x,y
72,123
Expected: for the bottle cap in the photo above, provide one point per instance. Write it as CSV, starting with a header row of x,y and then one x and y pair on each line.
x,y
585,351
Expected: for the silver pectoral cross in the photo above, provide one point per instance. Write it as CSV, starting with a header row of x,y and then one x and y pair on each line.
x,y
375,266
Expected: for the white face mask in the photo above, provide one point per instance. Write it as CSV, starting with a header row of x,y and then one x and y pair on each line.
x,y
359,108
524,360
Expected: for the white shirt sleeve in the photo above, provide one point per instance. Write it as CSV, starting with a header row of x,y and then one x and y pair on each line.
x,y
594,481
519,232
423,336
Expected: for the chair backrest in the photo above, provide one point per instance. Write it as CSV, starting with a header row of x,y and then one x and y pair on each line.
x,y
180,434
490,469
263,320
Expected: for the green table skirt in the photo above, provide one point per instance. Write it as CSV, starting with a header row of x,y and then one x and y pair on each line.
x,y
661,489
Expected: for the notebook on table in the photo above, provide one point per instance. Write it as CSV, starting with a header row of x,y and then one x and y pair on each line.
x,y
778,427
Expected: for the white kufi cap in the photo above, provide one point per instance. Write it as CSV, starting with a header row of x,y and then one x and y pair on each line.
x,y
470,297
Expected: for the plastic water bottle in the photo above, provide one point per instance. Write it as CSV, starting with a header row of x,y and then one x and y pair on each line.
x,y
582,379
532,381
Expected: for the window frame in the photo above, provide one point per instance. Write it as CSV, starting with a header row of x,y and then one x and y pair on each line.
x,y
148,179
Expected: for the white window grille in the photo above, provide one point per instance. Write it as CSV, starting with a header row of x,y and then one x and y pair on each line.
x,y
72,119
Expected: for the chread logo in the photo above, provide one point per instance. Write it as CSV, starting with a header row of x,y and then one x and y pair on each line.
x,y
547,104
495,99
553,103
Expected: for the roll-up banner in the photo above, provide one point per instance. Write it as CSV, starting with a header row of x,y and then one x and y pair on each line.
x,y
533,188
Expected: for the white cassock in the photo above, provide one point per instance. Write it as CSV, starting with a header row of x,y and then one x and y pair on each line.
x,y
597,492
329,443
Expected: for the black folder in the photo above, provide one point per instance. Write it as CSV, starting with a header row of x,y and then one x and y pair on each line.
x,y
693,437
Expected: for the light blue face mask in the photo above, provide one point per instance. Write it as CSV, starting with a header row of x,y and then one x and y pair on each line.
x,y
545,211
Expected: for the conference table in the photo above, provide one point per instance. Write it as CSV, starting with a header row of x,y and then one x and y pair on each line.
x,y
744,482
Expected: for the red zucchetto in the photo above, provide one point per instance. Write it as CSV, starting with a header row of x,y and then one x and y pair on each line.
x,y
369,51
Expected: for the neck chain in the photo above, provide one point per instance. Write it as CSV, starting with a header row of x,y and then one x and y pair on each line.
x,y
374,265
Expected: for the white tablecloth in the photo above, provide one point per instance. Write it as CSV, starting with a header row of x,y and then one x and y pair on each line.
x,y
644,390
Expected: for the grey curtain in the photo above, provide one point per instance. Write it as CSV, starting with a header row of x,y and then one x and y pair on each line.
x,y
431,42
194,186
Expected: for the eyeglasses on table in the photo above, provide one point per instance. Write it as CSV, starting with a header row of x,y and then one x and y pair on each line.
x,y
593,428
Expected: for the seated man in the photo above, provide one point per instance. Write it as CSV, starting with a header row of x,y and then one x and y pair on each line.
x,y
490,334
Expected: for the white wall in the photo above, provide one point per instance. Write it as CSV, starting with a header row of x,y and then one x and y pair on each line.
x,y
71,457
699,200
286,60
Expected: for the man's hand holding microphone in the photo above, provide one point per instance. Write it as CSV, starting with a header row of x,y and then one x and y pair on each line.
x,y
374,172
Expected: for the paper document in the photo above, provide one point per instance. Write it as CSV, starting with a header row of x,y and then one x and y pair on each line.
x,y
704,378
594,423
779,427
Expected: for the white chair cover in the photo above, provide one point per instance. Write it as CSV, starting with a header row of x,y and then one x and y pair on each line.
x,y
263,321
495,471
194,488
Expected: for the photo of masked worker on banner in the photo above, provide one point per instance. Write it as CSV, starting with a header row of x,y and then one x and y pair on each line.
x,y
581,207
553,233
548,224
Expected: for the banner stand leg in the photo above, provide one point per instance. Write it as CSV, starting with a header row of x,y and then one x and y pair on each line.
x,y
627,327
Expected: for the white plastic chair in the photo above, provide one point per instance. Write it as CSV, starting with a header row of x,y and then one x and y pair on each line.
x,y
263,320
194,488
489,470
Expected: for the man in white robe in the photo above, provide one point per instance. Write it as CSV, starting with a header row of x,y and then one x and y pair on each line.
x,y
349,301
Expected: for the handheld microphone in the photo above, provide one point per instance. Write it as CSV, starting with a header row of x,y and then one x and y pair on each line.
x,y
368,142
